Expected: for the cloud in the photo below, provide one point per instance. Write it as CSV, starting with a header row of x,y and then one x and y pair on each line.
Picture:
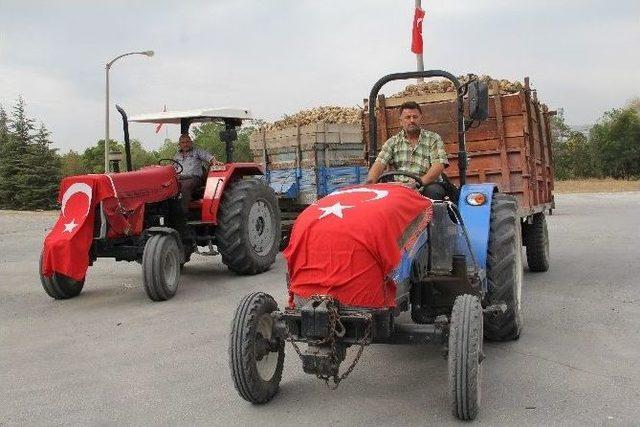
x,y
276,58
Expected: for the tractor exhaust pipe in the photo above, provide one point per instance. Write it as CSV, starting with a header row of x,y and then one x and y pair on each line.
x,y
127,144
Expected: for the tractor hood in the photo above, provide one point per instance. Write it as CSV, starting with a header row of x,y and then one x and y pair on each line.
x,y
349,243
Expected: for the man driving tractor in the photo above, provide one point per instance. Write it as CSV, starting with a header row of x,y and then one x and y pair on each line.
x,y
192,160
414,150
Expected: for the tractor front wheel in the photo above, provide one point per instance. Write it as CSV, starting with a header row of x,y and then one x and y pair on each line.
x,y
249,229
504,270
59,286
465,356
161,261
256,355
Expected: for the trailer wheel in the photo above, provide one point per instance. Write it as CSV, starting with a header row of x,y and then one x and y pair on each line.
x,y
256,356
536,240
465,356
248,231
504,270
59,286
161,261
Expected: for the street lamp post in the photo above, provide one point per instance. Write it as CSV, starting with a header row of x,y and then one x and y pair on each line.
x,y
107,67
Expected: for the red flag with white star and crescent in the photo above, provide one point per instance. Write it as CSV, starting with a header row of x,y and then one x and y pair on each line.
x,y
159,125
347,243
416,31
65,247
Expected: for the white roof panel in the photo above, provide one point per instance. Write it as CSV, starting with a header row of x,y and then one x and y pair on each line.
x,y
201,115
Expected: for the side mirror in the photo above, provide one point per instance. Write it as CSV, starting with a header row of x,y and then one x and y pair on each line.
x,y
478,100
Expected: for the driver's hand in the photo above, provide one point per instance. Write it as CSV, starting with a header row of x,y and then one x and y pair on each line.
x,y
216,162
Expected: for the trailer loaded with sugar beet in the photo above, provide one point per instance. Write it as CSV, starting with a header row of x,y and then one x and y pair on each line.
x,y
310,154
363,254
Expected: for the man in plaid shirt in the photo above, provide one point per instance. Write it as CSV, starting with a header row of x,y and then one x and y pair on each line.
x,y
414,150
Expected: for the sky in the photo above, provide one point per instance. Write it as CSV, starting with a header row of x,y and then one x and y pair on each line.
x,y
277,57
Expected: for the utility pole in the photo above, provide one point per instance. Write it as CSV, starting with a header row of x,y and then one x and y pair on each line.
x,y
419,58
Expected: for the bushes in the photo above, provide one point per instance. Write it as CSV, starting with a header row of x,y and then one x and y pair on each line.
x,y
611,149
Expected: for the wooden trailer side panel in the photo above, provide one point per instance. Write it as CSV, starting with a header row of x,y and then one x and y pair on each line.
x,y
512,148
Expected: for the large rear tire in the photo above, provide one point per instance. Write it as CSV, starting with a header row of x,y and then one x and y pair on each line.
x,y
249,229
536,240
465,356
504,270
161,261
59,286
256,357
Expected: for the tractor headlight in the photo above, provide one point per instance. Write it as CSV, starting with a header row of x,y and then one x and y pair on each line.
x,y
476,199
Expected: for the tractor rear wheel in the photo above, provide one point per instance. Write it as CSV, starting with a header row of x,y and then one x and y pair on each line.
x,y
256,356
161,261
536,240
59,286
465,356
504,270
249,229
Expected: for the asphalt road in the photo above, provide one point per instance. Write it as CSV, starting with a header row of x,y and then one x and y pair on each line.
x,y
111,356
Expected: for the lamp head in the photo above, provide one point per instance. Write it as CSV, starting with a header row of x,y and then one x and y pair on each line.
x,y
148,53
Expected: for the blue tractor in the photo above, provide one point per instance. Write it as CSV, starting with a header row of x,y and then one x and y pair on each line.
x,y
460,280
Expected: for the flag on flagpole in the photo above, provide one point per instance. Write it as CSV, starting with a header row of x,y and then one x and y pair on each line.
x,y
160,124
416,35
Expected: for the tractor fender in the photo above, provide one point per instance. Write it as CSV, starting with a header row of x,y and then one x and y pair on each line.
x,y
476,219
217,181
168,231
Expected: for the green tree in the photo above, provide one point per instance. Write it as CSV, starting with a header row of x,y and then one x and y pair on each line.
x,y
560,133
40,173
21,125
207,137
12,152
93,157
4,125
72,164
140,157
616,144
168,149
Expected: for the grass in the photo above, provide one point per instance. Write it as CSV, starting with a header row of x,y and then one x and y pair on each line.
x,y
595,186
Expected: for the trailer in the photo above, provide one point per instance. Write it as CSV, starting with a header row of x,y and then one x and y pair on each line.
x,y
305,163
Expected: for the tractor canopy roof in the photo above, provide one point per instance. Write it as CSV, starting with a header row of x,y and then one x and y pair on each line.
x,y
194,116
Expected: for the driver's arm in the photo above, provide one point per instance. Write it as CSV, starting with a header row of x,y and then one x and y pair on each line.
x,y
432,174
385,157
438,156
375,171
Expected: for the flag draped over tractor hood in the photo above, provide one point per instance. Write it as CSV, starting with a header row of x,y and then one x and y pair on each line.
x,y
347,243
124,195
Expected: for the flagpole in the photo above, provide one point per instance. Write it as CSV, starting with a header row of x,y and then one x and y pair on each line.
x,y
419,58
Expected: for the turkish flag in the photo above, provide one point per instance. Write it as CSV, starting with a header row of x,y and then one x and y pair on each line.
x,y
66,247
348,243
159,126
416,33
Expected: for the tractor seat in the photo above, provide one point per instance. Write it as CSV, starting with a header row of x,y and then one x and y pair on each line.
x,y
198,193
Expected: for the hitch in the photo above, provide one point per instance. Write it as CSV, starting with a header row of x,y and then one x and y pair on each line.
x,y
495,309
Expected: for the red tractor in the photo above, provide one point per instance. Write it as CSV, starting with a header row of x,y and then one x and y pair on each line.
x,y
137,216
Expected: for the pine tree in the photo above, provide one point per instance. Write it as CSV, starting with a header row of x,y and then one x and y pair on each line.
x,y
12,152
4,125
29,169
21,125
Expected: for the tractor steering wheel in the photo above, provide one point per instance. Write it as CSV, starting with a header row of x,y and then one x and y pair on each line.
x,y
386,177
176,164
